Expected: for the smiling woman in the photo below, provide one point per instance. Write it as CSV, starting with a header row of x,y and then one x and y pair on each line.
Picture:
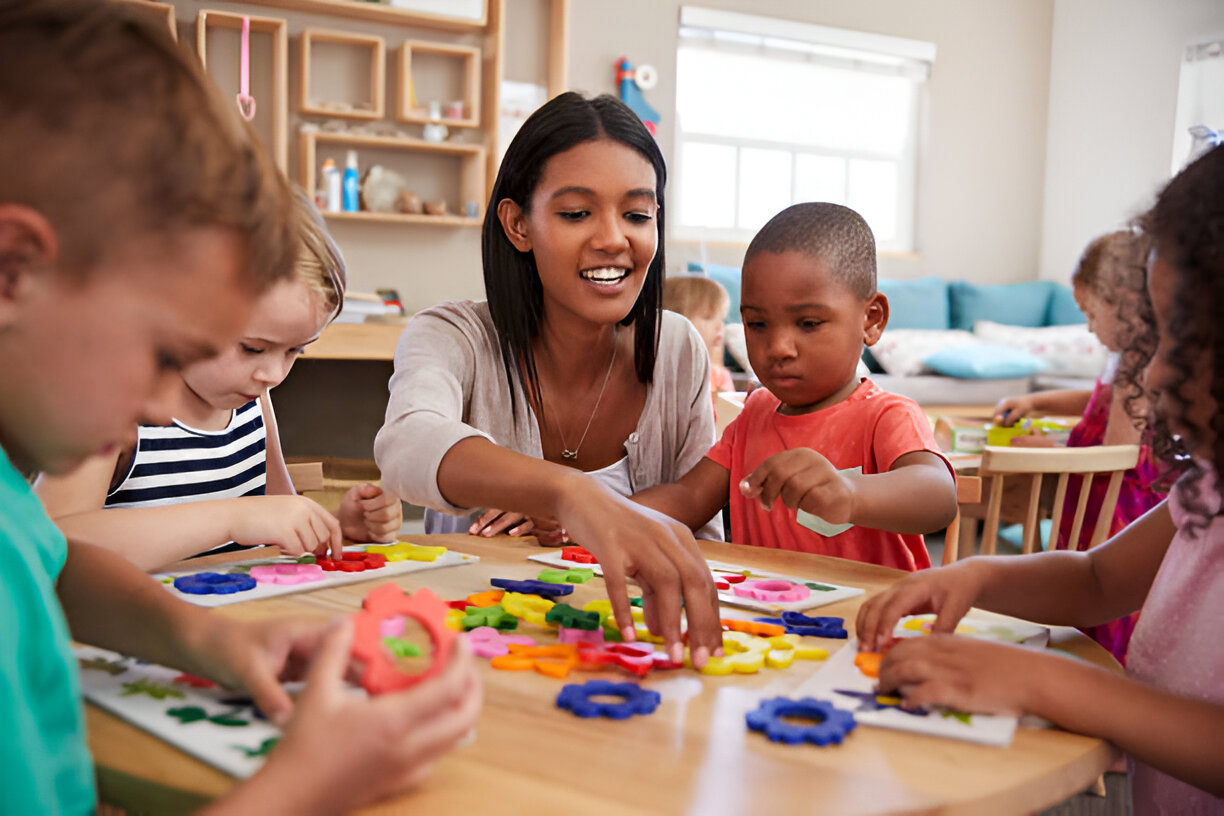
x,y
572,347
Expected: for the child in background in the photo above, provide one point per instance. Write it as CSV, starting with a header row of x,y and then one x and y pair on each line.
x,y
704,302
809,303
1110,286
216,473
1167,712
113,275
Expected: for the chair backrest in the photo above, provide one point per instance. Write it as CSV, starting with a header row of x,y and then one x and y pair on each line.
x,y
1030,466
968,491
306,476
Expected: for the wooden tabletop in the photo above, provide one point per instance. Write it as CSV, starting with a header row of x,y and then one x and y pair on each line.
x,y
694,755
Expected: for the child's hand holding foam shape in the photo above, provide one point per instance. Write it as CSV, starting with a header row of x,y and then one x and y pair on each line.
x,y
342,737
369,513
804,480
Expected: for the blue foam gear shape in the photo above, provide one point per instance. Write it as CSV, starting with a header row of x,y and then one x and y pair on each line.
x,y
797,623
532,587
213,583
576,697
832,727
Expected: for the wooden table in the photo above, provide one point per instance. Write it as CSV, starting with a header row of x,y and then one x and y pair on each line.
x,y
694,755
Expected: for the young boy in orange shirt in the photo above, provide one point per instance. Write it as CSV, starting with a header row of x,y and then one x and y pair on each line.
x,y
824,462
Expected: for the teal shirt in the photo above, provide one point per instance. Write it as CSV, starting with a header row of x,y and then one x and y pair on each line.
x,y
43,752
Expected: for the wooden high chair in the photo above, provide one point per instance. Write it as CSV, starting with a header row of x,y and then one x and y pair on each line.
x,y
1014,479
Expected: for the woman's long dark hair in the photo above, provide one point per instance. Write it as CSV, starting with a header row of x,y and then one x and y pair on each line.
x,y
512,282
1187,225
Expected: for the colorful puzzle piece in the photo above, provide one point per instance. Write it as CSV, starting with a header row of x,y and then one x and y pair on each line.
x,y
494,617
579,555
287,573
774,590
406,551
530,608
635,699
577,575
488,642
353,562
213,583
389,601
571,618
797,623
530,587
556,660
111,667
869,663
156,690
830,725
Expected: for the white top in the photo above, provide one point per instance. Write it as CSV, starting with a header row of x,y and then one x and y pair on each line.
x,y
449,384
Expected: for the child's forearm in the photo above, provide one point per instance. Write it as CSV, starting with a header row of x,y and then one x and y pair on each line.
x,y
695,499
1176,735
911,499
112,604
1078,588
1071,402
152,537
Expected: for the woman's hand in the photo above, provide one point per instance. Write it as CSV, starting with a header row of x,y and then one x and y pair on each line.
x,y
369,513
659,554
962,673
948,591
295,524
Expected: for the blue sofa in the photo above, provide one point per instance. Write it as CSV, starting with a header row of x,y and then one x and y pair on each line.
x,y
935,305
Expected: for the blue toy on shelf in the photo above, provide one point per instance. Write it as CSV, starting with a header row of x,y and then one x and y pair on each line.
x,y
631,95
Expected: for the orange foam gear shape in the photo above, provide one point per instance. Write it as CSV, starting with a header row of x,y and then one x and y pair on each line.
x,y
389,601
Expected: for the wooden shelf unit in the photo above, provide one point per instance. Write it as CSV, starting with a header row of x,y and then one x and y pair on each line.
x,y
471,181
470,57
357,10
160,12
378,73
278,107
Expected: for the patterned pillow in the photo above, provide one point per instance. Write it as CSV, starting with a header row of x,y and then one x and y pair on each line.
x,y
1067,351
902,351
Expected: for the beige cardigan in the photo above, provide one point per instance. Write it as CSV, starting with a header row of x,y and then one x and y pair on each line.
x,y
450,384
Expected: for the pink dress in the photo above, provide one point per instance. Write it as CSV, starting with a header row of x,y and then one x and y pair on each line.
x,y
1135,498
1177,645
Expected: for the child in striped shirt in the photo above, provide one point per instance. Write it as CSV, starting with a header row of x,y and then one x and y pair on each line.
x,y
216,474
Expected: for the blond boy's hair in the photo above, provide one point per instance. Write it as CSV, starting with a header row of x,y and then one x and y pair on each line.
x,y
695,296
113,133
319,265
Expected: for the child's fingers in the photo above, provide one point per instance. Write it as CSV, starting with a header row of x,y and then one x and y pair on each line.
x,y
330,532
328,665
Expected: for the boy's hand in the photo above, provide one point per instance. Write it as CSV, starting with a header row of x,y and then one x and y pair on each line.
x,y
367,513
803,479
296,524
947,591
961,673
1011,410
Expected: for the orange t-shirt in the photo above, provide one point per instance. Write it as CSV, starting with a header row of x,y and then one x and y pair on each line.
x,y
869,429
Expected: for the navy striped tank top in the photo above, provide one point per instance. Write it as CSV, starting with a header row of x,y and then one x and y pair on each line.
x,y
174,463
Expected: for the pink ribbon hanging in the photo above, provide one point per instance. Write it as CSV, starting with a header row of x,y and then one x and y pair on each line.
x,y
246,102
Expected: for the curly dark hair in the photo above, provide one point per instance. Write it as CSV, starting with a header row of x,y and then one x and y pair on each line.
x,y
1187,227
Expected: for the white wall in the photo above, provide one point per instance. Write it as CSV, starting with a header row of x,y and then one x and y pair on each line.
x,y
1113,96
980,193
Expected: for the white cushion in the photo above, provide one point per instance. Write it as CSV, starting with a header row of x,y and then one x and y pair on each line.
x,y
1068,351
902,351
733,339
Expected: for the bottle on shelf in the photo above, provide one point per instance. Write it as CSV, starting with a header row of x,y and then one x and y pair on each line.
x,y
351,183
331,183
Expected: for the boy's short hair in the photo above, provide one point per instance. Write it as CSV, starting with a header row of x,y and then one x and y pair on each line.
x,y
835,234
695,296
112,132
320,265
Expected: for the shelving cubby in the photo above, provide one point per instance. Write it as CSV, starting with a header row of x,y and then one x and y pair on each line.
x,y
423,164
218,43
351,60
438,71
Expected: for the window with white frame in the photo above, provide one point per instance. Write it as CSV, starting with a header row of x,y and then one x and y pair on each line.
x,y
773,112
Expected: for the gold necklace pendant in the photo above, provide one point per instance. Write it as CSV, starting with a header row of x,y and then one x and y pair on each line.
x,y
569,454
